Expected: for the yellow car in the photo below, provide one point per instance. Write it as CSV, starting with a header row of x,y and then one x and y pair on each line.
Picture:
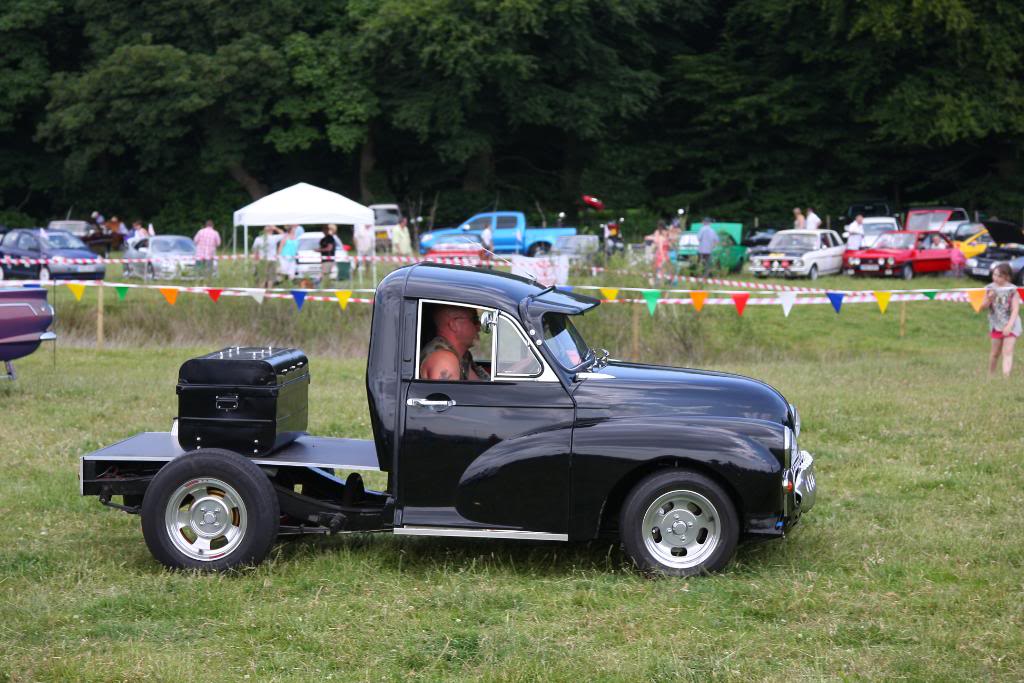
x,y
975,244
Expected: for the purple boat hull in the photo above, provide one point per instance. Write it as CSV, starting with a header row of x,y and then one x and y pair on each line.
x,y
25,317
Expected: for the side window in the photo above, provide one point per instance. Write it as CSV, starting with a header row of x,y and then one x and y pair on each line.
x,y
506,222
514,358
142,244
465,323
480,223
28,242
958,216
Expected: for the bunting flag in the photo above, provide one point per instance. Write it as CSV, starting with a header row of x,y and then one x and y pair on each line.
x,y
214,293
883,300
1020,292
610,293
257,294
651,296
77,290
977,298
930,295
122,292
299,296
32,285
698,299
787,299
739,299
170,293
564,288
836,298
343,296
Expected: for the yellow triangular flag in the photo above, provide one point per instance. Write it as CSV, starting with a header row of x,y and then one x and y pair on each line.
x,y
170,293
698,299
977,298
77,290
883,300
609,293
343,296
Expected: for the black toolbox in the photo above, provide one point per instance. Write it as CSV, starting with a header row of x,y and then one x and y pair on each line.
x,y
251,400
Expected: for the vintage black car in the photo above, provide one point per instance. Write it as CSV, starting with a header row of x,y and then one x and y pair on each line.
x,y
1009,249
560,444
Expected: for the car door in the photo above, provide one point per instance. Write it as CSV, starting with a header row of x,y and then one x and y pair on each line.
x,y
489,454
833,251
26,246
506,234
931,259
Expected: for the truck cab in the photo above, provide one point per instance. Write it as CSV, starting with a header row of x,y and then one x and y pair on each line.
x,y
560,443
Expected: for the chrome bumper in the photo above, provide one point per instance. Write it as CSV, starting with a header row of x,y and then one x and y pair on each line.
x,y
805,487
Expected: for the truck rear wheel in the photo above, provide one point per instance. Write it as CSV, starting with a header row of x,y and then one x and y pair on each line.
x,y
679,523
211,509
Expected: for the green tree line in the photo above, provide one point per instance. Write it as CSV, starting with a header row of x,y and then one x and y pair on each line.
x,y
177,109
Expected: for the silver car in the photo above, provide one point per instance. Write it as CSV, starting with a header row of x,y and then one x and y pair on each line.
x,y
169,257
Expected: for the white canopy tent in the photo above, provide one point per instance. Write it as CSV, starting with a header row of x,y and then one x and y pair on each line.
x,y
301,204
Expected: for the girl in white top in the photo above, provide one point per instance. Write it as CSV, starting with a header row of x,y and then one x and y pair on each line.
x,y
1003,303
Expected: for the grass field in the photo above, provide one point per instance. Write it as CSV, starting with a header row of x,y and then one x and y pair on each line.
x,y
909,567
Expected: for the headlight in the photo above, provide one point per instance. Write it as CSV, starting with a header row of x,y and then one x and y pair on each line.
x,y
426,238
891,260
855,262
972,262
881,261
798,263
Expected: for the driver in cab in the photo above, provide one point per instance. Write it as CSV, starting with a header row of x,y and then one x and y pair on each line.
x,y
447,356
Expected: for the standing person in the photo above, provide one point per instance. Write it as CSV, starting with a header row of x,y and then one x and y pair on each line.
x,y
813,220
659,249
328,249
401,244
288,252
138,232
1003,303
207,241
799,222
364,238
264,249
707,240
855,233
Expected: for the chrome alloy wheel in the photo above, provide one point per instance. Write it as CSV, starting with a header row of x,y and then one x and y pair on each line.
x,y
205,519
681,529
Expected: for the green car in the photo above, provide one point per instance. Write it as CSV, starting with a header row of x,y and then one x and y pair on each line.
x,y
729,255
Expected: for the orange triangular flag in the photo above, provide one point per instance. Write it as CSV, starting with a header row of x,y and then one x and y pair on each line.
x,y
883,300
698,299
609,293
170,293
740,301
77,290
214,293
976,297
343,296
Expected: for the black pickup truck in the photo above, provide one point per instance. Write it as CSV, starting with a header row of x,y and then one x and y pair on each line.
x,y
560,444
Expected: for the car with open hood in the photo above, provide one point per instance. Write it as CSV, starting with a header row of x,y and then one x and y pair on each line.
x,y
903,254
1008,248
40,254
729,254
800,253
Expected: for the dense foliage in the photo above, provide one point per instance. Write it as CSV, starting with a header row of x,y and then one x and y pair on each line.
x,y
175,109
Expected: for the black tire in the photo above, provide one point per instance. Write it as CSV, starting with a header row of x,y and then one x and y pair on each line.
x,y
235,489
150,272
539,249
812,274
655,553
907,272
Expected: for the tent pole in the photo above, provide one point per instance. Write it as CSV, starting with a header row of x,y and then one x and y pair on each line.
x,y
234,239
245,245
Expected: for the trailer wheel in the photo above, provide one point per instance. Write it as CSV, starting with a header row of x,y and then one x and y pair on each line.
x,y
210,509
679,523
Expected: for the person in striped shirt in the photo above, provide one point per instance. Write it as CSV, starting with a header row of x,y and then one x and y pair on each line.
x,y
207,240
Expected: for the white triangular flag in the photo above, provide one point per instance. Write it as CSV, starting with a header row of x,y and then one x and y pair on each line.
x,y
787,299
258,294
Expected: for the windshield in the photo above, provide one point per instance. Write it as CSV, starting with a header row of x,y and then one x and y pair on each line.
x,y
386,216
794,242
926,220
878,228
309,243
62,240
564,340
176,245
896,240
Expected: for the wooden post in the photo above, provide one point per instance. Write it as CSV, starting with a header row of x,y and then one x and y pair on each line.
x,y
903,319
99,317
636,332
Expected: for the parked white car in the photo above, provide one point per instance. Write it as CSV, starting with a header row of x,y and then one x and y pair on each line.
x,y
169,257
875,227
800,253
307,263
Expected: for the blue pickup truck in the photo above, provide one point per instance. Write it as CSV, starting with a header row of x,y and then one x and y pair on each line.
x,y
510,232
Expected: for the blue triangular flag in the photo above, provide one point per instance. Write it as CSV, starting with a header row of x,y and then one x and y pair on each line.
x,y
32,286
299,296
836,298
564,288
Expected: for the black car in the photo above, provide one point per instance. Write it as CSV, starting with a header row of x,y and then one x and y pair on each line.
x,y
759,238
549,440
40,254
1009,248
866,208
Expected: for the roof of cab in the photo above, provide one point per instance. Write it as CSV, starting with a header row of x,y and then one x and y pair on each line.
x,y
461,284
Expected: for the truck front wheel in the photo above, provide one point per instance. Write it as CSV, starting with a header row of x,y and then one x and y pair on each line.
x,y
211,509
539,249
679,523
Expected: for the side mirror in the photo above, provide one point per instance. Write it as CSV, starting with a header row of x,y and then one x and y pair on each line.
x,y
464,226
488,320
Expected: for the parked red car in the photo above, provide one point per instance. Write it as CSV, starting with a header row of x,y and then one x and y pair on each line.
x,y
903,253
457,246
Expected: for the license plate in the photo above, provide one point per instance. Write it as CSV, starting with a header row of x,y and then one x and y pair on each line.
x,y
869,266
980,271
776,255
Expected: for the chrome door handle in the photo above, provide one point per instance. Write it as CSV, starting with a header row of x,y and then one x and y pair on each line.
x,y
422,402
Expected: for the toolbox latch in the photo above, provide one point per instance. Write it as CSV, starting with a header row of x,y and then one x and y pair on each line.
x,y
228,402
